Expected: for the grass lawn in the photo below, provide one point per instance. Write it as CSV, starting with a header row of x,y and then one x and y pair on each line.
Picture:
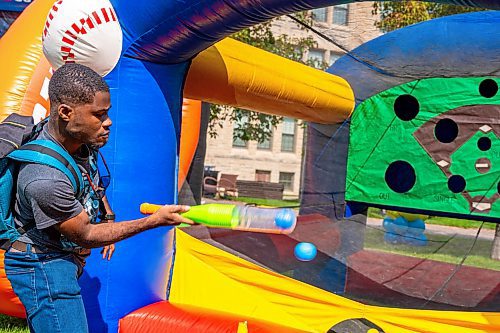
x,y
440,248
372,212
268,202
12,325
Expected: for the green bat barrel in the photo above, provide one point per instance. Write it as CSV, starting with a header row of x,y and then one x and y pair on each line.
x,y
238,217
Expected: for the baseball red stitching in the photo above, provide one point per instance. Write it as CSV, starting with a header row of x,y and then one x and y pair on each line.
x,y
54,9
104,15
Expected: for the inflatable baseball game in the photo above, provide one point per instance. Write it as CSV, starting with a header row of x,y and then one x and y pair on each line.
x,y
408,122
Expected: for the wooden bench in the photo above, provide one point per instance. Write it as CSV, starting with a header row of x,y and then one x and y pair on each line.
x,y
255,189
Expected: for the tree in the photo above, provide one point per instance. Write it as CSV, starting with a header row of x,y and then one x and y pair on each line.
x,y
252,125
398,14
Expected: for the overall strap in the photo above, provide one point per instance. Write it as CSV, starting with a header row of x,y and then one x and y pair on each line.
x,y
51,154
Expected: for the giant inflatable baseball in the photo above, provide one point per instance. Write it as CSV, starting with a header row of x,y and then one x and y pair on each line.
x,y
395,123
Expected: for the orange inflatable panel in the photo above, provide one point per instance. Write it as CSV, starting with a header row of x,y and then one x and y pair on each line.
x,y
9,303
190,130
166,317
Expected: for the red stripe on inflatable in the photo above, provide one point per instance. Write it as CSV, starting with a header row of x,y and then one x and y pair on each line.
x,y
68,56
69,33
106,17
90,23
112,14
68,41
97,18
78,30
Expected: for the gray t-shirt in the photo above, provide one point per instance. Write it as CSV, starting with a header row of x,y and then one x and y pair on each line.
x,y
45,195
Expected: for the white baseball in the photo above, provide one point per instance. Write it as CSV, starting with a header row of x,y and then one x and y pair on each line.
x,y
85,32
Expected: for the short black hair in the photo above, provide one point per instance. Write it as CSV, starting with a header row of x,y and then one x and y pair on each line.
x,y
74,84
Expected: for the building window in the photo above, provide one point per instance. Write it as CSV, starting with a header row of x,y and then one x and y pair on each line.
x,y
340,14
237,127
334,57
319,14
262,175
266,144
288,135
316,57
237,142
286,178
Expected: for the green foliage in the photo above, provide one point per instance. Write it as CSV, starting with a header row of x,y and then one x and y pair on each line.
x,y
399,14
252,125
12,325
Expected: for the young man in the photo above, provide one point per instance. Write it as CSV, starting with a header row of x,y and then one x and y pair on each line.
x,y
44,264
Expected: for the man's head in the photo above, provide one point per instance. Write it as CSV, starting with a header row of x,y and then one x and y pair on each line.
x,y
79,104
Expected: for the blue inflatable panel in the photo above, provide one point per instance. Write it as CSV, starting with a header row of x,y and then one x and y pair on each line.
x,y
14,6
142,156
437,48
175,31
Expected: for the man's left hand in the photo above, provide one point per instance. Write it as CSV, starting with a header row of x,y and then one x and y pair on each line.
x,y
108,251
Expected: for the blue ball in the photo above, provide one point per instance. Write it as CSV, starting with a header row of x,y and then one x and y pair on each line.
x,y
285,218
305,251
348,212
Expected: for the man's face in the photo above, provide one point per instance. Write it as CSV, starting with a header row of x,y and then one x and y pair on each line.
x,y
90,123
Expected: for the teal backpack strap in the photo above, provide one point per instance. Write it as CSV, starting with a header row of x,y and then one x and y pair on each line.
x,y
51,154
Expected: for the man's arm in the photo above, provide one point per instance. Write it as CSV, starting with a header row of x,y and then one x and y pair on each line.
x,y
108,250
80,231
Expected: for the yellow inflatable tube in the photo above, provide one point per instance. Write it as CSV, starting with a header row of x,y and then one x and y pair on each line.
x,y
236,74
25,71
208,277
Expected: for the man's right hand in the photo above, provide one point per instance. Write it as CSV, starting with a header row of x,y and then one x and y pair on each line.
x,y
170,215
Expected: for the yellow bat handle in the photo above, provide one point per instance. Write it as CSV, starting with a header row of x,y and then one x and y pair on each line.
x,y
147,208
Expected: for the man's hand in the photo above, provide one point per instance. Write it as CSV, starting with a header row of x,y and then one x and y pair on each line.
x,y
108,251
170,215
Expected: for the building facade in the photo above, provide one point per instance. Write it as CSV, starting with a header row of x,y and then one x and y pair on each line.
x,y
279,159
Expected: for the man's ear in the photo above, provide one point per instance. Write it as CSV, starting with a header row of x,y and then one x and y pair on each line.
x,y
65,112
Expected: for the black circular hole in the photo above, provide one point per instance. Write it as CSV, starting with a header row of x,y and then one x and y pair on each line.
x,y
456,183
406,107
484,143
488,88
400,176
446,130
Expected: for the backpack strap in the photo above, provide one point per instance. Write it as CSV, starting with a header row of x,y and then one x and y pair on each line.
x,y
51,154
